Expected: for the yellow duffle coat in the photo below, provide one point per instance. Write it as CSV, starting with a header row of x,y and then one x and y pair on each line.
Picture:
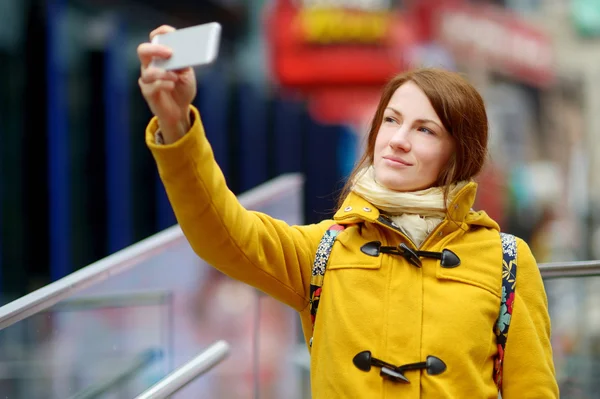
x,y
384,304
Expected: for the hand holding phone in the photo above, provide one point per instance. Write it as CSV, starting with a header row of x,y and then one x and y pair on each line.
x,y
191,47
169,93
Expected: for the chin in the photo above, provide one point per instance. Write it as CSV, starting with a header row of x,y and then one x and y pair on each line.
x,y
396,183
392,183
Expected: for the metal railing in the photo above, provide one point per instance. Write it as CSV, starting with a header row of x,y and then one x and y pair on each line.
x,y
570,269
127,258
188,372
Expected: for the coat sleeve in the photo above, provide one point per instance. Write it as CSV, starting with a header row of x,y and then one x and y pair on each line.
x,y
248,246
528,365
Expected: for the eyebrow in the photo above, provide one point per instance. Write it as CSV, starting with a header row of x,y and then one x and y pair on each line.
x,y
418,120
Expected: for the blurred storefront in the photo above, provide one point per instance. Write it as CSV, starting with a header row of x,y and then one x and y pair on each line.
x,y
339,55
572,122
574,27
73,74
336,53
525,57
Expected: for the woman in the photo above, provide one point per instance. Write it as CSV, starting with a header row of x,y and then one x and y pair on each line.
x,y
412,190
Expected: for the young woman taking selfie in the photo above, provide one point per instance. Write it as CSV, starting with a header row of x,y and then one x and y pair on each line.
x,y
415,290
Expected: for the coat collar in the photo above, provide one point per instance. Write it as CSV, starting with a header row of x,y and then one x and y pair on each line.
x,y
355,208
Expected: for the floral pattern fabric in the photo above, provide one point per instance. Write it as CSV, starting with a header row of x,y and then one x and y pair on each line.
x,y
509,280
319,266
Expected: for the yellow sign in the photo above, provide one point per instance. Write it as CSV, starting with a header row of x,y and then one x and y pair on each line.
x,y
339,26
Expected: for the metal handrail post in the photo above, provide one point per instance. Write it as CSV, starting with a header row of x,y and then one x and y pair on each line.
x,y
188,372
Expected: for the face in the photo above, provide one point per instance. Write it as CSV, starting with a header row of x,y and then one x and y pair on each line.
x,y
412,145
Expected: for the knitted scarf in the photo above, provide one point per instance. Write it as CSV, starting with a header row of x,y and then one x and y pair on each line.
x,y
417,213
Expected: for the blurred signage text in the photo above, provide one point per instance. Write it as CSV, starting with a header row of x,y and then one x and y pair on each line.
x,y
343,45
364,5
501,40
330,26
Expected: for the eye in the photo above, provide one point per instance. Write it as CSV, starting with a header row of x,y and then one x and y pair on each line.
x,y
426,130
389,119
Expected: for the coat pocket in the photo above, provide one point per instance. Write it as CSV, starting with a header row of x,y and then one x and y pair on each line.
x,y
481,265
346,253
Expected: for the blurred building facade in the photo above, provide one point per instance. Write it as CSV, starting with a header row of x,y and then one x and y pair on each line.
x,y
533,61
293,91
78,184
77,181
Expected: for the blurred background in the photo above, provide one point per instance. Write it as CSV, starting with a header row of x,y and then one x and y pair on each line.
x,y
292,92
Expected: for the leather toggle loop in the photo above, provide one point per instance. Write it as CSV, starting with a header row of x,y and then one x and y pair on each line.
x,y
410,255
371,248
364,361
434,366
393,375
448,259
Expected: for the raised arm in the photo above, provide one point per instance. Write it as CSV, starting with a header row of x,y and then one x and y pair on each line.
x,y
248,246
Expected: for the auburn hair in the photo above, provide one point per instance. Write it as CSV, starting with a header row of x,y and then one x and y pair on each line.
x,y
462,112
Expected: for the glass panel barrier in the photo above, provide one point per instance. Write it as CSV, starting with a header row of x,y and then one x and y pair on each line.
x,y
73,347
136,316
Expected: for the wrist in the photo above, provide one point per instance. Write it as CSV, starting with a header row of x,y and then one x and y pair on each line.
x,y
175,130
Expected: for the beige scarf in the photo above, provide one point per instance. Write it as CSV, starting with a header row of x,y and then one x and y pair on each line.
x,y
416,212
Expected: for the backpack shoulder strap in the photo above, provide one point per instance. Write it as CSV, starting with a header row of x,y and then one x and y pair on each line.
x,y
509,280
319,267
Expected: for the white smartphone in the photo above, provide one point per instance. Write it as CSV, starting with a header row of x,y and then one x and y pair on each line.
x,y
192,47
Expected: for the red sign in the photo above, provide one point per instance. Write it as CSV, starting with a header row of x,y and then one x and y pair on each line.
x,y
352,105
499,39
334,46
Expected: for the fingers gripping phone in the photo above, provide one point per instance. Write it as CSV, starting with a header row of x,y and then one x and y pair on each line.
x,y
192,47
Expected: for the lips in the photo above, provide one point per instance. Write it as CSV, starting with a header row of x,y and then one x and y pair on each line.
x,y
399,161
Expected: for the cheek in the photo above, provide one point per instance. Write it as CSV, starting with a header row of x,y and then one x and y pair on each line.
x,y
434,157
443,159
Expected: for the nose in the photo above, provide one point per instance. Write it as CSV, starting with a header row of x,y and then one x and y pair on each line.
x,y
401,140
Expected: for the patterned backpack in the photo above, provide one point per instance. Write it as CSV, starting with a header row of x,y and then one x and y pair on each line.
x,y
509,274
